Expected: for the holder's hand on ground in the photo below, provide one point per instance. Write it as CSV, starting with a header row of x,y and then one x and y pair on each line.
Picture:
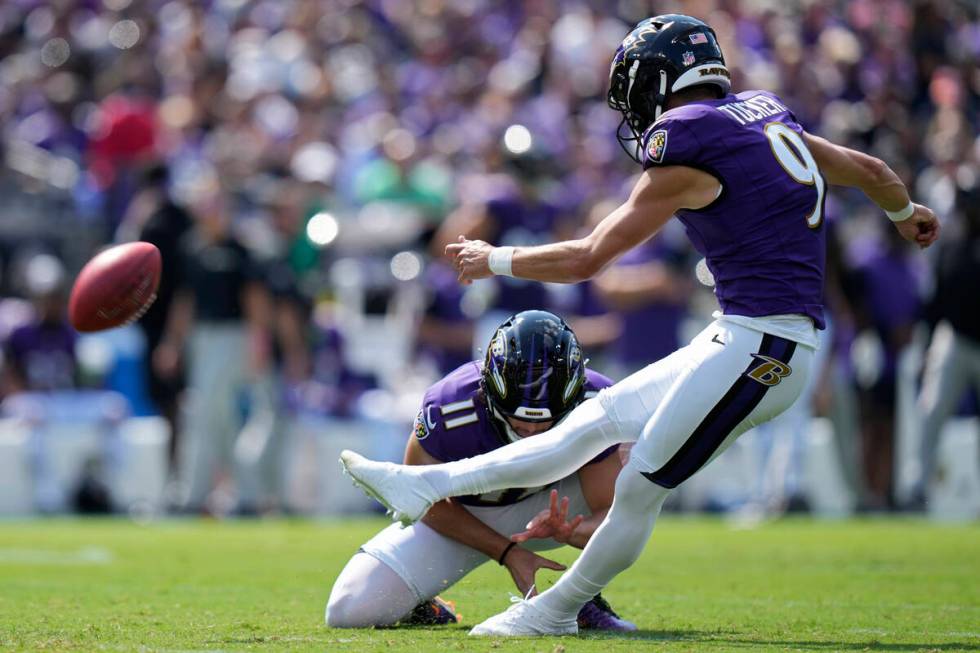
x,y
551,523
471,259
523,565
921,228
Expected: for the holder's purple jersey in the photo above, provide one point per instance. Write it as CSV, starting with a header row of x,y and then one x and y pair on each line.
x,y
762,237
455,423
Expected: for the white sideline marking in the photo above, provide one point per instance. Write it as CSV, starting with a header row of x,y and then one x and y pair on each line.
x,y
92,555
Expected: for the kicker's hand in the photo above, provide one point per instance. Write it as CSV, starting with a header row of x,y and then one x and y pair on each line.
x,y
551,523
523,565
471,259
921,228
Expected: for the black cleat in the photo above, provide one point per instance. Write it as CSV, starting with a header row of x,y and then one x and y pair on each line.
x,y
597,614
434,612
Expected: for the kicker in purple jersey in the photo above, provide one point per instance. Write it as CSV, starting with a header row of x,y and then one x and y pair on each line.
x,y
762,237
455,423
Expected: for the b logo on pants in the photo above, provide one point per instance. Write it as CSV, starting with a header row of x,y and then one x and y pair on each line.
x,y
770,371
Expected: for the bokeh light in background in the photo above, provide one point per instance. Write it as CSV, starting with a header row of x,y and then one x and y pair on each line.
x,y
314,161
518,139
406,266
322,229
124,34
55,52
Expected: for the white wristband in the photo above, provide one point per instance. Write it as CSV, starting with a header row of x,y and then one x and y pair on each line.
x,y
901,214
500,261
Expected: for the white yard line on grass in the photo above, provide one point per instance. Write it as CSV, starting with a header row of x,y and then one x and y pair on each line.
x,y
91,555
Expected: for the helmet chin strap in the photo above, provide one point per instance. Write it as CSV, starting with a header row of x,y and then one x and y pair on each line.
x,y
661,95
509,431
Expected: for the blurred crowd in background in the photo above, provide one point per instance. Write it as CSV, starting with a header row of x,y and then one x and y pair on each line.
x,y
301,165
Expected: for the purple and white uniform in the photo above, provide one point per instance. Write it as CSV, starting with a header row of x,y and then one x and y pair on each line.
x,y
762,238
455,423
764,242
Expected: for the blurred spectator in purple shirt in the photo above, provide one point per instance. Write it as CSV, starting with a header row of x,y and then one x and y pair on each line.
x,y
649,287
333,388
517,209
40,355
888,305
445,332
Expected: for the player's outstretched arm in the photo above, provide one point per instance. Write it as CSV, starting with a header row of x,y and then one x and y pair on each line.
x,y
842,166
658,194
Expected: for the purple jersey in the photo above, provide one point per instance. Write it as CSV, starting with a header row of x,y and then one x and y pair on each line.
x,y
762,237
444,306
521,223
651,330
43,354
455,423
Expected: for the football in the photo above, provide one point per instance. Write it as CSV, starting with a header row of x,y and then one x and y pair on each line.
x,y
116,287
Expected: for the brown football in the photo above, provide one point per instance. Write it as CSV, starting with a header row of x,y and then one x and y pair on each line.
x,y
116,287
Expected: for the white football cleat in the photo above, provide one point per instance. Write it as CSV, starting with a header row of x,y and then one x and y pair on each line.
x,y
524,619
406,496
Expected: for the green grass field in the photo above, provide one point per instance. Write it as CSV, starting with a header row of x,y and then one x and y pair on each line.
x,y
877,585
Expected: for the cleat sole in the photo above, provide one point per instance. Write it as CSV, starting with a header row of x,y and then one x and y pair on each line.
x,y
368,490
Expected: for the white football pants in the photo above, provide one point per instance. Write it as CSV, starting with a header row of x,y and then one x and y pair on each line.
x,y
682,411
400,567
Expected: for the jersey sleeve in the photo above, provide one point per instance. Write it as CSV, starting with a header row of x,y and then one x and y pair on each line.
x,y
673,140
594,382
448,424
430,433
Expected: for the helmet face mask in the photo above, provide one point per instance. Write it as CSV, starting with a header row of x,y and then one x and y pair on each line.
x,y
660,56
534,371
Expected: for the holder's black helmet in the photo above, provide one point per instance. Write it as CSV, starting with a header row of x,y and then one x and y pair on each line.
x,y
662,55
534,369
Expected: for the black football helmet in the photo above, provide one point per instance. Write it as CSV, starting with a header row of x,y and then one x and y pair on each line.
x,y
533,371
662,55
